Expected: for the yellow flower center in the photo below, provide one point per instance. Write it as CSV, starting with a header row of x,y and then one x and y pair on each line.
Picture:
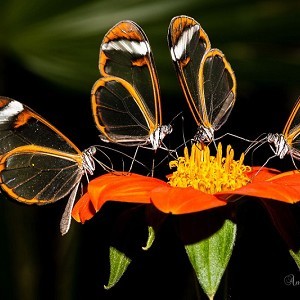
x,y
210,174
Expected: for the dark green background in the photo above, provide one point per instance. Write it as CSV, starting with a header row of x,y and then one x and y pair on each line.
x,y
49,61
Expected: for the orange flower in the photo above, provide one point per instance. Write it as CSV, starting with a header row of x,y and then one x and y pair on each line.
x,y
201,182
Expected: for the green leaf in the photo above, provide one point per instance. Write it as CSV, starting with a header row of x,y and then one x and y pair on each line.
x,y
151,238
296,256
119,263
210,257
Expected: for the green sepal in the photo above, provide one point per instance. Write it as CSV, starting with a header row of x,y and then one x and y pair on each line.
x,y
151,238
210,257
296,256
119,263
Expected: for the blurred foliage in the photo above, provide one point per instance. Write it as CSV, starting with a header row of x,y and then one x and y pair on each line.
x,y
50,48
60,40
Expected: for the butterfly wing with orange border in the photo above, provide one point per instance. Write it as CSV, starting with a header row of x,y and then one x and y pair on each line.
x,y
206,77
291,131
38,164
126,100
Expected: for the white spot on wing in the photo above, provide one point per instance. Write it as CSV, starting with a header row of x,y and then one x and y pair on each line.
x,y
133,47
12,109
140,48
179,49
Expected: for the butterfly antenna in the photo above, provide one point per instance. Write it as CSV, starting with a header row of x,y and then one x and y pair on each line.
x,y
174,151
152,168
170,151
214,142
294,163
265,163
103,165
182,131
123,165
134,158
183,137
256,142
174,118
235,136
258,145
100,147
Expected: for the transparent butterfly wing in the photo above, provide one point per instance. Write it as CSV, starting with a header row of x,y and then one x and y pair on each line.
x,y
188,43
125,56
217,88
205,75
38,164
291,130
120,113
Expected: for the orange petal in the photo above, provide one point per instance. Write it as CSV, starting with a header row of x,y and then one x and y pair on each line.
x,y
270,184
270,190
125,187
262,174
289,180
83,210
177,200
290,177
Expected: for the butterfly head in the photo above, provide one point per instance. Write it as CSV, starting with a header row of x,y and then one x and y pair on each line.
x,y
158,135
280,144
204,134
88,159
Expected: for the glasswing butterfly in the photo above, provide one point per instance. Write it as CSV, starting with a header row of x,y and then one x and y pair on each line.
x,y
206,77
126,101
287,142
38,164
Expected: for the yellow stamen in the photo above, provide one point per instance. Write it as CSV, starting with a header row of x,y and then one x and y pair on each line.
x,y
210,174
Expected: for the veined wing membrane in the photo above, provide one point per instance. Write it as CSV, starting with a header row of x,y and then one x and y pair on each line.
x,y
120,113
36,175
217,88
